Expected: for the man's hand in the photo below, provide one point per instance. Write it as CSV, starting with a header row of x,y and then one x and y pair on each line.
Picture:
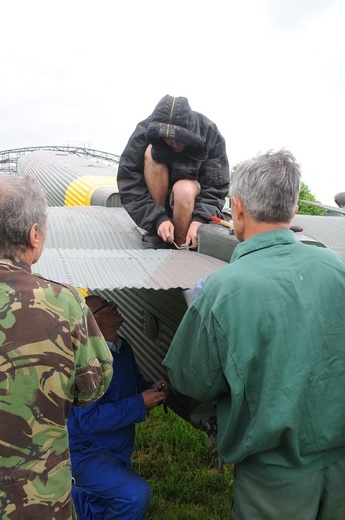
x,y
166,231
161,386
155,395
192,237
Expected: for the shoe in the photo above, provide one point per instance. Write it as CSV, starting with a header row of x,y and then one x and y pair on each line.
x,y
152,241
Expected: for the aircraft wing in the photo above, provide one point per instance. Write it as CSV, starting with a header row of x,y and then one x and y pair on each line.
x,y
329,231
101,249
107,269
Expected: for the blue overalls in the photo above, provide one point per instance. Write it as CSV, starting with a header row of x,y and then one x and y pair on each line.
x,y
101,440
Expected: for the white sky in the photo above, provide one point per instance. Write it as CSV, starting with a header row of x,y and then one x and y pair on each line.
x,y
269,73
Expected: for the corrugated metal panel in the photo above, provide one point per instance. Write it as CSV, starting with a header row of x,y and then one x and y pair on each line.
x,y
92,227
101,248
330,231
82,240
57,171
151,320
109,269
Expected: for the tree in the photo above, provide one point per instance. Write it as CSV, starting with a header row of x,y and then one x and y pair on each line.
x,y
232,171
306,209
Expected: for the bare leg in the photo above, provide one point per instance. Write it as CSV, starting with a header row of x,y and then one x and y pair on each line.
x,y
156,177
185,192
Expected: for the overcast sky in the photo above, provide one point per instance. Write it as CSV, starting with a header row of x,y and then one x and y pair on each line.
x,y
269,73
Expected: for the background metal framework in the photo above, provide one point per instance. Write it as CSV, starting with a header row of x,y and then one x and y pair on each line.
x,y
9,158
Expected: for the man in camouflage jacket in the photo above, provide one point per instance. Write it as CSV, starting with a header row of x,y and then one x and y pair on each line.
x,y
52,355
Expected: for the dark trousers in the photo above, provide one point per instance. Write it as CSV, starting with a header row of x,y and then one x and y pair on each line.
x,y
317,496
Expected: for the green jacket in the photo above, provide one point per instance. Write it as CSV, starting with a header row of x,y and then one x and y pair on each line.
x,y
52,355
265,338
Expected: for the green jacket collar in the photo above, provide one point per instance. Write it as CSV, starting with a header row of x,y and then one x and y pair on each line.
x,y
262,241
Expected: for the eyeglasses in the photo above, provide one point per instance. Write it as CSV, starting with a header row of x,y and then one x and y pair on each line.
x,y
106,303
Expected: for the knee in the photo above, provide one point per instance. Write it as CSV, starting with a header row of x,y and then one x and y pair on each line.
x,y
133,504
142,495
148,156
185,192
152,169
149,163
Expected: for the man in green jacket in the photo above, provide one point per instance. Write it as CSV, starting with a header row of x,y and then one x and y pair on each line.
x,y
52,355
265,339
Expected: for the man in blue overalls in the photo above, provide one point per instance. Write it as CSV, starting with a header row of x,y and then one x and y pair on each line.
x,y
102,435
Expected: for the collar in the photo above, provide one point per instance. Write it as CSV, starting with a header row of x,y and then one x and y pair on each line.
x,y
16,262
262,241
115,345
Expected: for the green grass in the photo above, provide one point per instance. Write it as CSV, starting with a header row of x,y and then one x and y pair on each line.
x,y
177,462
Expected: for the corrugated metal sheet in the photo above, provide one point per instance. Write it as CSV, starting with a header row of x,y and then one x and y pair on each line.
x,y
151,320
330,231
56,172
109,269
101,248
92,227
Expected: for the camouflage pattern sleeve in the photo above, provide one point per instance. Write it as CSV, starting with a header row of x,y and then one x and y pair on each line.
x,y
93,364
93,359
51,355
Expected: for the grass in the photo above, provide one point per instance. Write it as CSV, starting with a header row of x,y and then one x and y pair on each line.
x,y
176,460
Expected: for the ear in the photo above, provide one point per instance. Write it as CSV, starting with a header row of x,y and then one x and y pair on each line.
x,y
34,236
238,217
295,210
238,205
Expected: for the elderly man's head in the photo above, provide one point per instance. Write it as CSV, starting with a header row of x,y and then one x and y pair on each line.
x,y
268,186
264,193
23,216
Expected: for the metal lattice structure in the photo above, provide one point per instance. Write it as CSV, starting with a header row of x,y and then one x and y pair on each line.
x,y
9,158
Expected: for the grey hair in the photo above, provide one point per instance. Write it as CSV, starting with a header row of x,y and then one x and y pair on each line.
x,y
22,204
268,186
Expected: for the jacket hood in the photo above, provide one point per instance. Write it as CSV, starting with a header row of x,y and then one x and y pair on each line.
x,y
173,118
174,111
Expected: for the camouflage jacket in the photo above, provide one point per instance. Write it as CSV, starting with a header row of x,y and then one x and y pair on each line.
x,y
52,355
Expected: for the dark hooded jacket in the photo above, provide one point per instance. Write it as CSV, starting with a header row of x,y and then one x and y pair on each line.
x,y
203,159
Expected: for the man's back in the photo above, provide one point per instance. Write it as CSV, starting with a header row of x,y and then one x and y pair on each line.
x,y
47,362
265,341
280,333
